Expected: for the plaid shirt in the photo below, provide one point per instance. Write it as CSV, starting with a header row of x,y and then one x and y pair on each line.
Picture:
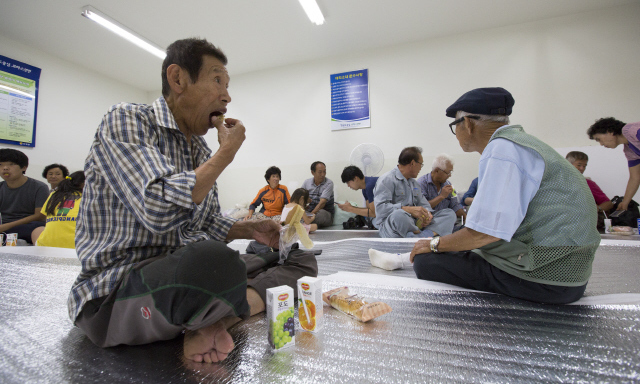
x,y
136,202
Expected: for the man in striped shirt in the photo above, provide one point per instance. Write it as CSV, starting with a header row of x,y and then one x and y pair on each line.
x,y
150,236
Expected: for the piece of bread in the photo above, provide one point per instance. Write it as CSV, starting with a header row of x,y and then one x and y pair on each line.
x,y
353,305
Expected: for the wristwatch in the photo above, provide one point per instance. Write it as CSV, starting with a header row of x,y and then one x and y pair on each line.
x,y
434,244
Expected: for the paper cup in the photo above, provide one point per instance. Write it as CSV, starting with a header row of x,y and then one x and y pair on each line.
x,y
12,239
607,225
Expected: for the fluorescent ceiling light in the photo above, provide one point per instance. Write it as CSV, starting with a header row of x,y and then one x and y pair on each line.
x,y
17,91
122,31
313,11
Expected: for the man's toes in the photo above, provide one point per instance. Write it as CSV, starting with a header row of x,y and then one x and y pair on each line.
x,y
207,358
223,342
219,355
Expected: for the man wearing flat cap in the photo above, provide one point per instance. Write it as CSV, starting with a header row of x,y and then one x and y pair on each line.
x,y
531,231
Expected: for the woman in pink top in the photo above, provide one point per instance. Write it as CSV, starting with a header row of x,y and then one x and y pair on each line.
x,y
579,160
610,133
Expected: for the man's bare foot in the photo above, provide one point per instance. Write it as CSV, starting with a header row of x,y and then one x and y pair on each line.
x,y
209,345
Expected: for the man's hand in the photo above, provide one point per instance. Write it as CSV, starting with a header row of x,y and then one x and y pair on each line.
x,y
419,213
446,191
422,246
231,134
345,207
267,232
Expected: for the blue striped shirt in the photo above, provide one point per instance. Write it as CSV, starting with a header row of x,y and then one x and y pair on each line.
x,y
136,202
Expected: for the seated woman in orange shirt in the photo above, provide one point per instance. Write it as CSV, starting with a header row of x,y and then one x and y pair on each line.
x,y
273,197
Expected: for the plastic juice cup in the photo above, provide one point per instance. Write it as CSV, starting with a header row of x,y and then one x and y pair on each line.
x,y
280,314
1,239
12,239
310,303
607,225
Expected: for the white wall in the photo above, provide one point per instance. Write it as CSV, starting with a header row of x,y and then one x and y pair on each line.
x,y
71,105
564,74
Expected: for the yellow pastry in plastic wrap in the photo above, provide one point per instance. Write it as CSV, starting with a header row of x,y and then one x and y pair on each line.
x,y
354,306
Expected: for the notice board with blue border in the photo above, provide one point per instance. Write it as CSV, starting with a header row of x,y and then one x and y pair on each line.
x,y
350,100
19,84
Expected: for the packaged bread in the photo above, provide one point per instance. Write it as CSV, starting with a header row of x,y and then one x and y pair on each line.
x,y
622,230
353,305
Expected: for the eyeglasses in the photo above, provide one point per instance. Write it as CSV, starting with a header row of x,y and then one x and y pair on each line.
x,y
445,172
421,164
460,120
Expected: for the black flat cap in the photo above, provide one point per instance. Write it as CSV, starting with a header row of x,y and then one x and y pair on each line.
x,y
484,101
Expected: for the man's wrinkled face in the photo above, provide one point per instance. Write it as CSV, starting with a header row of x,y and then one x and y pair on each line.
x,y
416,167
11,171
208,97
440,175
463,136
580,165
320,174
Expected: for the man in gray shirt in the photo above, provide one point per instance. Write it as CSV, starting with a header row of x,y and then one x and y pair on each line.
x,y
401,209
21,197
321,195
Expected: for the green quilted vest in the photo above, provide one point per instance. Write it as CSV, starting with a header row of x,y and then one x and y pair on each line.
x,y
557,240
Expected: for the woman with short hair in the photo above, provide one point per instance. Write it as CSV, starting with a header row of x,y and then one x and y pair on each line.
x,y
273,197
610,133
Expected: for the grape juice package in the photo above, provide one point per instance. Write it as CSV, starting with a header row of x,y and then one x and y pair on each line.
x,y
310,303
280,312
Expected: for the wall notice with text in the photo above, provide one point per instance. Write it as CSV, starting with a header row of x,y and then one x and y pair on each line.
x,y
19,83
350,100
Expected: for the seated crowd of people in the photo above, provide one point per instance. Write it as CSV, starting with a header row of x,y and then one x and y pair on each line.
x,y
38,214
152,240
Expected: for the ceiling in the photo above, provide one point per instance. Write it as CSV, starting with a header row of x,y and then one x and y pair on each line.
x,y
256,34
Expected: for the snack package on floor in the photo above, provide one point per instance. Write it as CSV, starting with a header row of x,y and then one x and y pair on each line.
x,y
357,307
292,231
310,303
280,312
621,230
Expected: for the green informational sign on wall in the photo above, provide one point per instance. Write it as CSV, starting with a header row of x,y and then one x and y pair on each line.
x,y
19,83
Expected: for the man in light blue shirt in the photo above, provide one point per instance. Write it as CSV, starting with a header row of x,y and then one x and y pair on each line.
x,y
401,209
530,232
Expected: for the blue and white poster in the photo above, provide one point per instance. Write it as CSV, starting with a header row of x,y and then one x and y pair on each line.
x,y
350,100
19,84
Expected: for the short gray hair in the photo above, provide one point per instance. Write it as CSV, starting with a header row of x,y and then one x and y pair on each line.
x,y
485,118
441,160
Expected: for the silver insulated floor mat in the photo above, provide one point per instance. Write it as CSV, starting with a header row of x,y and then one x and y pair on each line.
x,y
430,336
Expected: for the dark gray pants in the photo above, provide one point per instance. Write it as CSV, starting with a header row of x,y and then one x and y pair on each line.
x,y
191,288
469,270
323,218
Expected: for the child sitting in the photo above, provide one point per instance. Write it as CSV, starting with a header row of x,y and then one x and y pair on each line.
x,y
61,209
299,197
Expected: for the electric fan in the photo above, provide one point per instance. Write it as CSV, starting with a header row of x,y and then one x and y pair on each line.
x,y
368,157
